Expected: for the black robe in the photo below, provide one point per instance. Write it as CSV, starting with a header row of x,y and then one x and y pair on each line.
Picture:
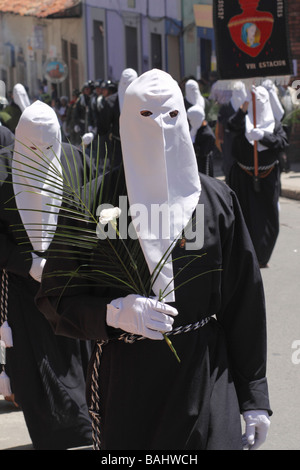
x,y
260,208
6,137
108,127
47,372
204,145
147,399
225,112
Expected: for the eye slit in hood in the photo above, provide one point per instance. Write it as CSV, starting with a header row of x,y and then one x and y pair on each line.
x,y
174,113
146,113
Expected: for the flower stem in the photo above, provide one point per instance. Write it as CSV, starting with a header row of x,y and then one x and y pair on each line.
x,y
167,340
169,343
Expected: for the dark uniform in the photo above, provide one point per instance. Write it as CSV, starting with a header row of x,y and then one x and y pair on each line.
x,y
260,207
47,372
147,400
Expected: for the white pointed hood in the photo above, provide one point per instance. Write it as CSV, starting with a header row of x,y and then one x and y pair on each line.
x,y
193,93
127,76
277,108
160,165
239,95
20,96
264,115
196,117
36,172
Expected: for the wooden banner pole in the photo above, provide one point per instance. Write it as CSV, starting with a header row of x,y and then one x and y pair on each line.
x,y
256,177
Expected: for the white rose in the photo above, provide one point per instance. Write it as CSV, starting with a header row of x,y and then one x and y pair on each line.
x,y
109,215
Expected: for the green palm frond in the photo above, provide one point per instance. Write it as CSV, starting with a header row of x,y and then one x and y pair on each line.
x,y
108,262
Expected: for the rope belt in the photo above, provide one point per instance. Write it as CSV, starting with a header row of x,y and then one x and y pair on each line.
x,y
130,338
263,171
94,410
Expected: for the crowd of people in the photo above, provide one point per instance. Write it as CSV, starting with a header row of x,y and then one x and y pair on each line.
x,y
163,137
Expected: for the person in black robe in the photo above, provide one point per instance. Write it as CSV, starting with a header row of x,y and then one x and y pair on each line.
x,y
106,118
144,398
6,137
47,372
203,139
13,111
224,135
259,202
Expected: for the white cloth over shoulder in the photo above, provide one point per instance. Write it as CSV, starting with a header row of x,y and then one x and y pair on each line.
x,y
160,167
36,172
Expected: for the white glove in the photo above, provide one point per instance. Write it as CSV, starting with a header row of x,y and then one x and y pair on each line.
x,y
269,85
256,134
77,128
141,315
257,426
87,138
37,267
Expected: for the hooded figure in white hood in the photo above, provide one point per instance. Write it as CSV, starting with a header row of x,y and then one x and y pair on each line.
x,y
20,96
19,103
47,373
141,396
259,201
108,119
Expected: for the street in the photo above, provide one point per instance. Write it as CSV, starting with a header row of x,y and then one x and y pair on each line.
x,y
282,292
282,289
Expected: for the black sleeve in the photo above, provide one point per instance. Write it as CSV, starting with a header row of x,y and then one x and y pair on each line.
x,y
105,117
276,140
236,122
70,303
13,257
243,315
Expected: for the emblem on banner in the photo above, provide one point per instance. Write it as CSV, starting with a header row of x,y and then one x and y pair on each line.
x,y
251,30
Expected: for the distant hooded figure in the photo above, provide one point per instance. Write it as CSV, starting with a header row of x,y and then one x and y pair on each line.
x,y
203,139
20,96
107,120
213,311
47,373
260,204
224,134
127,77
19,104
6,137
193,94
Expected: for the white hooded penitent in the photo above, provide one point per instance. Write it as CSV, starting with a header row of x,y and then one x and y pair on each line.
x,y
160,165
193,93
127,76
20,96
35,172
264,115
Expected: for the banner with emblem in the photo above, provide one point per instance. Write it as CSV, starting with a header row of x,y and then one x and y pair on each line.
x,y
251,38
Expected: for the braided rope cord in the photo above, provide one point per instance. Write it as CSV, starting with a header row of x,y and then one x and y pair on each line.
x,y
4,296
94,410
3,304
